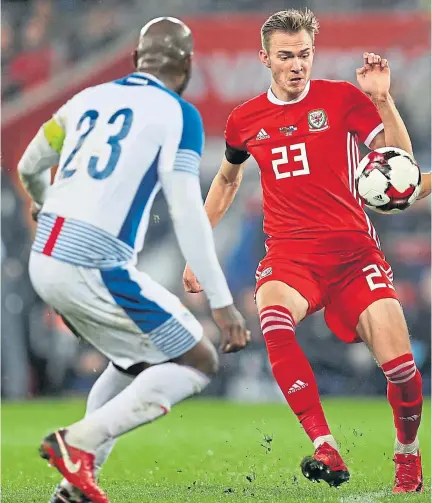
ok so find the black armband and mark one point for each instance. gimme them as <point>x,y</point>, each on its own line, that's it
<point>235,156</point>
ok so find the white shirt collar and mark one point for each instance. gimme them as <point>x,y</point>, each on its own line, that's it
<point>272,98</point>
<point>151,77</point>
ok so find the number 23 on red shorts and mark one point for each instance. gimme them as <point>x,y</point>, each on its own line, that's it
<point>360,284</point>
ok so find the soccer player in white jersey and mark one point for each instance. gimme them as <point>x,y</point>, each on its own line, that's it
<point>116,145</point>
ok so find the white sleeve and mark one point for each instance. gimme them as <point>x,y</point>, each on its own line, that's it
<point>33,168</point>
<point>179,176</point>
<point>194,234</point>
<point>42,154</point>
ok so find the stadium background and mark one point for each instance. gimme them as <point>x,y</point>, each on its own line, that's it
<point>51,49</point>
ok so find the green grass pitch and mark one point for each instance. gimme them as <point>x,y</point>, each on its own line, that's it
<point>211,451</point>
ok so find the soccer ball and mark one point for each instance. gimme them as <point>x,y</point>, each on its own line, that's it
<point>388,180</point>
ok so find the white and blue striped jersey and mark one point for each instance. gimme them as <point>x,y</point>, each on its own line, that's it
<point>115,139</point>
<point>116,145</point>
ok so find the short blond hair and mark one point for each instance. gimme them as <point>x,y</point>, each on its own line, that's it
<point>289,21</point>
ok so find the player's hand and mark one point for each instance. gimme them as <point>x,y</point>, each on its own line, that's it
<point>35,210</point>
<point>190,282</point>
<point>426,185</point>
<point>374,76</point>
<point>234,334</point>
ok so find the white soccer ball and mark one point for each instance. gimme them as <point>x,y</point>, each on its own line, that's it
<point>388,180</point>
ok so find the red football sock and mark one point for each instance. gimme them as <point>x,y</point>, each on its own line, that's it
<point>292,370</point>
<point>404,393</point>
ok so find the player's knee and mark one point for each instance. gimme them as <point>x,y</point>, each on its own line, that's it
<point>202,357</point>
<point>277,293</point>
<point>383,328</point>
<point>209,365</point>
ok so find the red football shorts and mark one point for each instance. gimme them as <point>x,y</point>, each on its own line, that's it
<point>344,285</point>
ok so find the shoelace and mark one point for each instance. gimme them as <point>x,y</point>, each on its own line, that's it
<point>404,475</point>
<point>332,457</point>
<point>327,452</point>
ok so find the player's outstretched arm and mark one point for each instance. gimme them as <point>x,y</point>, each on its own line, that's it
<point>194,234</point>
<point>192,227</point>
<point>178,170</point>
<point>223,190</point>
<point>42,153</point>
<point>374,79</point>
<point>219,198</point>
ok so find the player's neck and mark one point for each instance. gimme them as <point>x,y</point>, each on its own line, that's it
<point>285,96</point>
<point>169,83</point>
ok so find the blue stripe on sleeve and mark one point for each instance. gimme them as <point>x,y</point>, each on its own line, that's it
<point>187,160</point>
<point>193,130</point>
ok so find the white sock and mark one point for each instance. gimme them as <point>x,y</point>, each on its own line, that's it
<point>110,383</point>
<point>326,438</point>
<point>148,397</point>
<point>412,448</point>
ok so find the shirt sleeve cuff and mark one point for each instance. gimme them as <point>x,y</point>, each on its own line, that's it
<point>373,133</point>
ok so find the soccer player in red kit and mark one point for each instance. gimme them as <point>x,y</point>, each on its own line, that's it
<point>322,250</point>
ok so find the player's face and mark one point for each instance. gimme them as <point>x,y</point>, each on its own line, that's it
<point>289,58</point>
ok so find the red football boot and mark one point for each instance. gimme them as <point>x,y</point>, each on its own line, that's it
<point>76,465</point>
<point>326,464</point>
<point>409,474</point>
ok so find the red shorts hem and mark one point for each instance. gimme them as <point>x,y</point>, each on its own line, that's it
<point>293,275</point>
<point>345,291</point>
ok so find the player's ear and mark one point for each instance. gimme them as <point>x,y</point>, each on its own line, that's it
<point>188,63</point>
<point>135,58</point>
<point>187,68</point>
<point>264,57</point>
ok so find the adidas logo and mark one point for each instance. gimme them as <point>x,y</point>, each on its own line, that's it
<point>262,135</point>
<point>410,418</point>
<point>297,386</point>
<point>266,273</point>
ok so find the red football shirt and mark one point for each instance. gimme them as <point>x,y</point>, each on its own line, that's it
<point>307,152</point>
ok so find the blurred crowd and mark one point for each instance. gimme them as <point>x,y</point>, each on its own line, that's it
<point>39,354</point>
<point>40,37</point>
